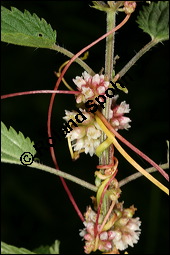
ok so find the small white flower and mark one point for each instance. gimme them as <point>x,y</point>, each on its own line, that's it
<point>90,215</point>
<point>106,84</point>
<point>96,79</point>
<point>89,148</point>
<point>90,228</point>
<point>115,123</point>
<point>121,123</point>
<point>87,92</point>
<point>89,118</point>
<point>118,236</point>
<point>101,90</point>
<point>134,224</point>
<point>121,109</point>
<point>86,76</point>
<point>80,98</point>
<point>111,234</point>
<point>79,144</point>
<point>79,81</point>
<point>93,133</point>
<point>96,143</point>
<point>124,123</point>
<point>77,133</point>
<point>69,115</point>
<point>104,236</point>
<point>82,232</point>
<point>120,245</point>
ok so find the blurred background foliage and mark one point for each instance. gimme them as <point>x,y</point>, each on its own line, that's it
<point>35,207</point>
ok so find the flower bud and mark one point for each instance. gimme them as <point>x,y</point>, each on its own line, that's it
<point>104,236</point>
<point>129,6</point>
<point>77,133</point>
<point>111,234</point>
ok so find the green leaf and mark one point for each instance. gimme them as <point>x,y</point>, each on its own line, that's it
<point>54,249</point>
<point>42,249</point>
<point>14,145</point>
<point>154,20</point>
<point>10,249</point>
<point>25,29</point>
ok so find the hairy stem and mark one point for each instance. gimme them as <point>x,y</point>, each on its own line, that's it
<point>70,55</point>
<point>137,175</point>
<point>64,175</point>
<point>146,48</point>
<point>109,56</point>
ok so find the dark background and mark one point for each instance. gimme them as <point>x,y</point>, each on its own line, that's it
<point>35,208</point>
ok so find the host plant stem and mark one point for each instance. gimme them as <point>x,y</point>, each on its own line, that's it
<point>109,56</point>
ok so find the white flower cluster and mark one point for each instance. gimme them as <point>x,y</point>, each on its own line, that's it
<point>125,231</point>
<point>118,121</point>
<point>87,135</point>
<point>90,86</point>
<point>127,234</point>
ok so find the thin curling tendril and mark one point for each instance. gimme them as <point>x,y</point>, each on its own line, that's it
<point>86,54</point>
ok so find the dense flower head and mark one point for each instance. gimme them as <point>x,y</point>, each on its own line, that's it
<point>117,118</point>
<point>124,232</point>
<point>86,136</point>
<point>129,6</point>
<point>90,86</point>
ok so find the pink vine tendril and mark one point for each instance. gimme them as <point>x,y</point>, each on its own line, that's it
<point>39,92</point>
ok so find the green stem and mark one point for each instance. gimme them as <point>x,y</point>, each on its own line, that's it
<point>64,175</point>
<point>70,55</point>
<point>109,56</point>
<point>137,175</point>
<point>136,57</point>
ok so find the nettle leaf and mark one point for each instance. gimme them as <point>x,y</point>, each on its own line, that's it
<point>10,249</point>
<point>14,145</point>
<point>154,20</point>
<point>25,29</point>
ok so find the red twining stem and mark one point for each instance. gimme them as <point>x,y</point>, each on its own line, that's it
<point>33,92</point>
